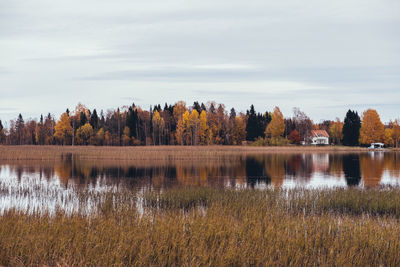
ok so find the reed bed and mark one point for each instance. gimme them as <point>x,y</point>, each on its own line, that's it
<point>206,226</point>
<point>152,153</point>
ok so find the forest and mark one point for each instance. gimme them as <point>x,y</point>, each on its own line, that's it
<point>198,124</point>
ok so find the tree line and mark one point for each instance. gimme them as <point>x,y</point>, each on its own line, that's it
<point>198,124</point>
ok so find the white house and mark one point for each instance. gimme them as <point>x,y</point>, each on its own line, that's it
<point>377,146</point>
<point>319,137</point>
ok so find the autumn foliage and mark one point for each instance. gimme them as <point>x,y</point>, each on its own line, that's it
<point>199,124</point>
<point>372,129</point>
<point>63,130</point>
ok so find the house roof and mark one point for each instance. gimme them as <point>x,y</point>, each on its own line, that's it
<point>319,133</point>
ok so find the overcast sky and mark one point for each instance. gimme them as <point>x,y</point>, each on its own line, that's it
<point>323,56</point>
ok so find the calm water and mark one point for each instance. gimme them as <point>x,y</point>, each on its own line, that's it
<point>37,185</point>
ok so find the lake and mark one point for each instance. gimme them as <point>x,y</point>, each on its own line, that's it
<point>49,185</point>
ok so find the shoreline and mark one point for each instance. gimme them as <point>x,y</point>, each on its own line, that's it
<point>157,152</point>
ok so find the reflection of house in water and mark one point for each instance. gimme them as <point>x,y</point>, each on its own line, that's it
<point>376,155</point>
<point>320,163</point>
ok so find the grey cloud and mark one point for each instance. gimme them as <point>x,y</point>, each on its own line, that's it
<point>2,109</point>
<point>180,75</point>
<point>323,75</point>
<point>338,53</point>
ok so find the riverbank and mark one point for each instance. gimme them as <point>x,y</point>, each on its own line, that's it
<point>154,152</point>
<point>213,227</point>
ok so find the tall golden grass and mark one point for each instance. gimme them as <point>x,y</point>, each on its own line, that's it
<point>151,152</point>
<point>205,226</point>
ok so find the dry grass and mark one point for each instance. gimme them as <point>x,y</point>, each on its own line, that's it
<point>152,152</point>
<point>204,226</point>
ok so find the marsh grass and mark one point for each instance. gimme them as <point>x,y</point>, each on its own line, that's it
<point>338,201</point>
<point>206,226</point>
<point>51,153</point>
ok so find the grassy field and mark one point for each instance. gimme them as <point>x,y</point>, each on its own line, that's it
<point>153,152</point>
<point>213,227</point>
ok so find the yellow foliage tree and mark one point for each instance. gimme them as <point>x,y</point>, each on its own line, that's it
<point>63,129</point>
<point>179,132</point>
<point>100,137</point>
<point>388,138</point>
<point>276,127</point>
<point>107,138</point>
<point>158,126</point>
<point>336,131</point>
<point>372,129</point>
<point>238,131</point>
<point>84,133</point>
<point>194,125</point>
<point>186,128</point>
<point>179,110</point>
<point>203,133</point>
<point>396,133</point>
<point>125,136</point>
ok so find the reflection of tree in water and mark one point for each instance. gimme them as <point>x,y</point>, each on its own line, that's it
<point>392,163</point>
<point>46,172</point>
<point>372,166</point>
<point>230,171</point>
<point>275,167</point>
<point>19,170</point>
<point>220,173</point>
<point>158,174</point>
<point>255,171</point>
<point>351,169</point>
<point>300,167</point>
<point>335,165</point>
<point>63,170</point>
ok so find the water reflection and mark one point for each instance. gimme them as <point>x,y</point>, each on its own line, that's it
<point>351,169</point>
<point>38,184</point>
<point>317,170</point>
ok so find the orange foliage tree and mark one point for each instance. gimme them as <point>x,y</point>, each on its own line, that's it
<point>372,129</point>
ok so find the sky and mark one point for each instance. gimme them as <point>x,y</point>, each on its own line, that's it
<point>322,56</point>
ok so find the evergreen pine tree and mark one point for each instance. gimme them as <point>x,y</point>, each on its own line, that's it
<point>94,119</point>
<point>82,119</point>
<point>2,134</point>
<point>196,106</point>
<point>19,127</point>
<point>102,120</point>
<point>132,121</point>
<point>351,129</point>
<point>232,115</point>
<point>251,127</point>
